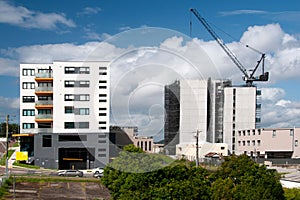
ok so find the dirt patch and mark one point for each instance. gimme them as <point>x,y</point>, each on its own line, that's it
<point>58,190</point>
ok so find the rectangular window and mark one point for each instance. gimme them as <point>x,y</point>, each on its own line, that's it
<point>102,100</point>
<point>69,125</point>
<point>28,125</point>
<point>84,83</point>
<point>28,72</point>
<point>69,97</point>
<point>44,111</point>
<point>102,114</point>
<point>102,122</point>
<point>69,83</point>
<point>28,112</point>
<point>84,111</point>
<point>274,133</point>
<point>102,68</point>
<point>28,85</point>
<point>84,70</point>
<point>102,127</point>
<point>47,141</point>
<point>77,97</point>
<point>77,70</point>
<point>28,99</point>
<point>253,142</point>
<point>258,142</point>
<point>79,125</point>
<point>296,143</point>
<point>102,73</point>
<point>102,95</point>
<point>69,70</point>
<point>72,138</point>
<point>69,109</point>
<point>102,87</point>
<point>102,108</point>
<point>248,142</point>
<point>291,132</point>
<point>84,97</point>
<point>102,81</point>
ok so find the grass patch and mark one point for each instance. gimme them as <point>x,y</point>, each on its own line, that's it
<point>16,144</point>
<point>4,187</point>
<point>17,163</point>
<point>3,159</point>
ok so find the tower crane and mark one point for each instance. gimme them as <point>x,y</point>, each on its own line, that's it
<point>248,78</point>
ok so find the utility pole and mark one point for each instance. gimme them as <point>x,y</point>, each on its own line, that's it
<point>6,164</point>
<point>197,148</point>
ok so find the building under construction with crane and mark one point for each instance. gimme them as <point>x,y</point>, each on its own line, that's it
<point>214,109</point>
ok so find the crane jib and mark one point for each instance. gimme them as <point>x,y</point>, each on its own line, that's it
<point>248,78</point>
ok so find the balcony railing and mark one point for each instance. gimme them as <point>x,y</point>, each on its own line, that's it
<point>44,75</point>
<point>44,116</point>
<point>43,103</point>
<point>44,89</point>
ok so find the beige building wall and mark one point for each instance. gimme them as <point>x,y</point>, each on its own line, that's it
<point>268,141</point>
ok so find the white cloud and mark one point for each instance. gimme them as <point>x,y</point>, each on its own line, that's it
<point>90,11</point>
<point>139,73</point>
<point>277,111</point>
<point>242,12</point>
<point>21,16</point>
<point>6,102</point>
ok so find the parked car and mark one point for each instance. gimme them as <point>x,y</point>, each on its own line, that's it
<point>98,175</point>
<point>98,170</point>
<point>76,173</point>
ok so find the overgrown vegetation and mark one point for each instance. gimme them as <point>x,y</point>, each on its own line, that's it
<point>17,163</point>
<point>4,187</point>
<point>137,175</point>
<point>3,159</point>
<point>292,193</point>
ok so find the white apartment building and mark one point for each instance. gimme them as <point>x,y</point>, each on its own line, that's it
<point>64,113</point>
<point>241,111</point>
<point>269,142</point>
<point>214,108</point>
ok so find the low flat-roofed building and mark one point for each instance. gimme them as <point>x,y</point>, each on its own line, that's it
<point>269,142</point>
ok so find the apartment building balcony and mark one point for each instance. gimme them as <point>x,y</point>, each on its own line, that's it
<point>44,76</point>
<point>44,118</point>
<point>43,104</point>
<point>44,90</point>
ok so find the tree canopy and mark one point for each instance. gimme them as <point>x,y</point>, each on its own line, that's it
<point>135,174</point>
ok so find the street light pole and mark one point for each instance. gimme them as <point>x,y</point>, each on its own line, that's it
<point>197,148</point>
<point>6,164</point>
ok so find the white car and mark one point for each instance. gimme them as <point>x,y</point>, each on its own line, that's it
<point>98,170</point>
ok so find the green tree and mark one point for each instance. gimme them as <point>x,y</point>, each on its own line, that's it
<point>292,193</point>
<point>244,179</point>
<point>154,176</point>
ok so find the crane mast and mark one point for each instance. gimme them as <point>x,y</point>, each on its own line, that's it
<point>248,78</point>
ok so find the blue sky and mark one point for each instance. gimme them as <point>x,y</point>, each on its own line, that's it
<point>34,30</point>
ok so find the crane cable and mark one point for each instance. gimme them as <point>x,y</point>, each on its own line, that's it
<point>230,36</point>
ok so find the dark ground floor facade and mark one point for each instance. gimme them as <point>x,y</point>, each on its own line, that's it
<point>67,150</point>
